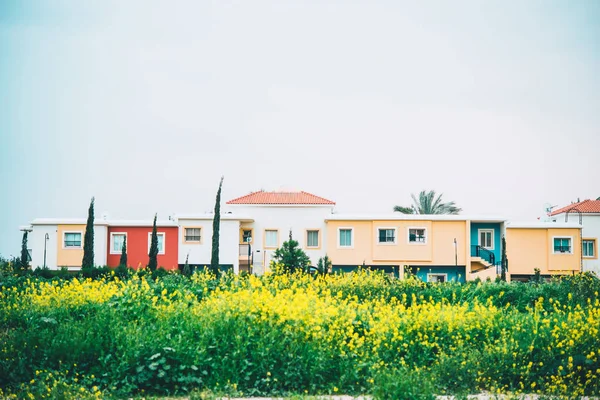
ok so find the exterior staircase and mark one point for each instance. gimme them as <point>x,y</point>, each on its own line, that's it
<point>481,258</point>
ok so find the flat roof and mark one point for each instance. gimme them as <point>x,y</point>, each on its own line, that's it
<point>412,217</point>
<point>66,221</point>
<point>542,225</point>
<point>209,216</point>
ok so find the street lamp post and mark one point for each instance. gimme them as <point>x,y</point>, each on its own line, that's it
<point>46,237</point>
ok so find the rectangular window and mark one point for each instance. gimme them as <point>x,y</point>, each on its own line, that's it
<point>271,238</point>
<point>486,238</point>
<point>589,248</point>
<point>387,235</point>
<point>416,235</point>
<point>116,243</point>
<point>192,234</point>
<point>312,238</point>
<point>345,237</point>
<point>72,240</point>
<point>247,235</point>
<point>440,278</point>
<point>562,245</point>
<point>161,241</point>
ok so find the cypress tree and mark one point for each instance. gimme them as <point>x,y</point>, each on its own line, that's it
<point>214,260</point>
<point>123,260</point>
<point>153,261</point>
<point>88,241</point>
<point>291,257</point>
<point>24,262</point>
<point>504,262</point>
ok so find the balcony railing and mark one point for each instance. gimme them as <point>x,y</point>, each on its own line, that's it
<point>245,250</point>
<point>485,254</point>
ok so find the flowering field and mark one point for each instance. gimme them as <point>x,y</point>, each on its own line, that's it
<point>281,334</point>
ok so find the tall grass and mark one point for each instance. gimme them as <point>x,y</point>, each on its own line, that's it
<point>281,334</point>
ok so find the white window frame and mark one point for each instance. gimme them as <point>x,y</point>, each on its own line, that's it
<point>437,274</point>
<point>318,238</point>
<point>339,237</point>
<point>570,245</point>
<point>164,235</point>
<point>387,228</point>
<point>593,241</point>
<point>72,247</point>
<point>492,237</point>
<point>417,243</point>
<point>267,246</point>
<point>185,240</point>
<point>113,251</point>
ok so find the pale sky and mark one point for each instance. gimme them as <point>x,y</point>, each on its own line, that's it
<point>145,104</point>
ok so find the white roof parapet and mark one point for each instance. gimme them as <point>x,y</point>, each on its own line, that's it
<point>149,222</point>
<point>542,225</point>
<point>413,217</point>
<point>224,217</point>
<point>66,221</point>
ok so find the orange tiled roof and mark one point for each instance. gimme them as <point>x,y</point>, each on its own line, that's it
<point>263,197</point>
<point>585,206</point>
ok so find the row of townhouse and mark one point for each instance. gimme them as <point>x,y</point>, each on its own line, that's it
<point>434,247</point>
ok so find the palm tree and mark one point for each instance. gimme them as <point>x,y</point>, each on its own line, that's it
<point>428,203</point>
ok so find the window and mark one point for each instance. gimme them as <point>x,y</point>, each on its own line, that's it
<point>271,238</point>
<point>345,237</point>
<point>192,234</point>
<point>72,240</point>
<point>437,278</point>
<point>416,235</point>
<point>589,247</point>
<point>387,235</point>
<point>161,242</point>
<point>247,235</point>
<point>312,238</point>
<point>29,252</point>
<point>486,238</point>
<point>116,243</point>
<point>562,245</point>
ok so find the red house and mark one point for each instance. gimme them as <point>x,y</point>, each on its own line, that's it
<point>138,235</point>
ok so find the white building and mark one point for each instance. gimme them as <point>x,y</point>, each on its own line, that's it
<point>195,239</point>
<point>588,213</point>
<point>273,216</point>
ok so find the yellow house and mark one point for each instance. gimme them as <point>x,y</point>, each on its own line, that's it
<point>436,248</point>
<point>553,248</point>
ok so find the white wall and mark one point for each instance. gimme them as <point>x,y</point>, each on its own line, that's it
<point>284,218</point>
<point>100,243</point>
<point>35,241</point>
<point>200,253</point>
<point>591,230</point>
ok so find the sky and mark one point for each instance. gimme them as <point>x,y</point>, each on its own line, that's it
<point>146,104</point>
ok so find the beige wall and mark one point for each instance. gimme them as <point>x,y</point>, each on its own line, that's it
<point>362,238</point>
<point>438,249</point>
<point>69,257</point>
<point>527,249</point>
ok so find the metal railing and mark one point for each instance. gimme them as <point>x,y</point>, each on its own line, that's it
<point>245,250</point>
<point>478,251</point>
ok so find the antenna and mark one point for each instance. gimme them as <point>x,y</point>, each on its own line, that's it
<point>547,210</point>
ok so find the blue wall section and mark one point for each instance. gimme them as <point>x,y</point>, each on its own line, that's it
<point>455,274</point>
<point>475,226</point>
